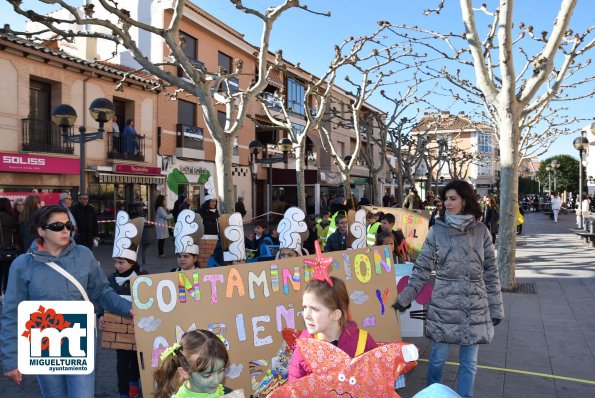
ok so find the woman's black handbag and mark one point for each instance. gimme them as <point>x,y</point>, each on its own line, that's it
<point>7,253</point>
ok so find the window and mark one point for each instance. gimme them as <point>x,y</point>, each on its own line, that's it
<point>224,61</point>
<point>221,117</point>
<point>191,46</point>
<point>299,129</point>
<point>485,169</point>
<point>295,96</point>
<point>484,142</point>
<point>190,49</point>
<point>186,113</point>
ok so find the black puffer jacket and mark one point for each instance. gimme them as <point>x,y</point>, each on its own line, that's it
<point>466,294</point>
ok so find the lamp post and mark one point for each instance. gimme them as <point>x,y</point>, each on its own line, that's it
<point>580,144</point>
<point>64,115</point>
<point>549,176</point>
<point>555,165</point>
<point>255,149</point>
<point>285,145</point>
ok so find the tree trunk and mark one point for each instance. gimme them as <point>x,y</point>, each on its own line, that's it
<point>346,185</point>
<point>376,194</point>
<point>223,164</point>
<point>509,140</point>
<point>300,176</point>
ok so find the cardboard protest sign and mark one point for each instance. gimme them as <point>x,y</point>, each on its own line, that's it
<point>414,224</point>
<point>250,304</point>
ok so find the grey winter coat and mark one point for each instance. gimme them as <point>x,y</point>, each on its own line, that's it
<point>466,294</point>
<point>161,217</point>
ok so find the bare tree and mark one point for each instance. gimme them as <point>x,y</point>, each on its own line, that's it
<point>211,88</point>
<point>513,98</point>
<point>369,60</point>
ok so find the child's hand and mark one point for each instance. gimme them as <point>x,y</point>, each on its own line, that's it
<point>101,323</point>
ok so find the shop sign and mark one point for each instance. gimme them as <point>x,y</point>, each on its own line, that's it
<point>21,163</point>
<point>133,169</point>
<point>193,170</point>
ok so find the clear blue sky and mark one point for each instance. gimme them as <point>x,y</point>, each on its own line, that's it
<point>309,39</point>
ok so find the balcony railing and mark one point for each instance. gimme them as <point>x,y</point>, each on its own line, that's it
<point>189,137</point>
<point>126,148</point>
<point>45,136</point>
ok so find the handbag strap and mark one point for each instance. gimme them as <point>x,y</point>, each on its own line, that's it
<point>69,276</point>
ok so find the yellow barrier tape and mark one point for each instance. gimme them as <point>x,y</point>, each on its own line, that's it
<point>523,372</point>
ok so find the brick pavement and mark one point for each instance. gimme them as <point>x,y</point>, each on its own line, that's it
<point>551,331</point>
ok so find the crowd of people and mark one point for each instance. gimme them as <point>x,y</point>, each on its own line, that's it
<point>459,312</point>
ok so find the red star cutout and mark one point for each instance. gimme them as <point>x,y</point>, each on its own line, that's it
<point>320,265</point>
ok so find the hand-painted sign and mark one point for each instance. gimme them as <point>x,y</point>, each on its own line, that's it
<point>250,304</point>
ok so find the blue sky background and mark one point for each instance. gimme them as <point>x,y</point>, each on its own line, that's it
<point>309,39</point>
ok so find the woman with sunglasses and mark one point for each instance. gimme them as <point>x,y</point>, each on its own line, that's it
<point>31,278</point>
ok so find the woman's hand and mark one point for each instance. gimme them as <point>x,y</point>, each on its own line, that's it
<point>101,322</point>
<point>399,307</point>
<point>15,376</point>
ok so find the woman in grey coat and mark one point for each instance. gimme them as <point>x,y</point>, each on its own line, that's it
<point>466,300</point>
<point>162,216</point>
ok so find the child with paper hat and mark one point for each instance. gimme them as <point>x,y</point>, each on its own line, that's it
<point>187,233</point>
<point>292,230</point>
<point>127,240</point>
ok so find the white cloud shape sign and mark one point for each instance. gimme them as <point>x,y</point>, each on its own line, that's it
<point>149,323</point>
<point>359,297</point>
<point>234,370</point>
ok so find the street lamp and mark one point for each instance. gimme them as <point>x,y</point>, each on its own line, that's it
<point>580,144</point>
<point>64,115</point>
<point>285,145</point>
<point>548,168</point>
<point>555,165</point>
<point>255,148</point>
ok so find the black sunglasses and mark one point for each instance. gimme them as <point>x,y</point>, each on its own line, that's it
<point>59,226</point>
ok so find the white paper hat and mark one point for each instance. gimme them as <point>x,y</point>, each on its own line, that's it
<point>291,229</point>
<point>128,236</point>
<point>234,233</point>
<point>188,231</point>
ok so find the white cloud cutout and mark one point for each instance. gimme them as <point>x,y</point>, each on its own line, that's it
<point>149,323</point>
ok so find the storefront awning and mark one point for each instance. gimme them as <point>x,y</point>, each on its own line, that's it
<point>130,178</point>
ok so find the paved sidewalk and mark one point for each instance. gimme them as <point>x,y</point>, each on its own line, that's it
<point>549,332</point>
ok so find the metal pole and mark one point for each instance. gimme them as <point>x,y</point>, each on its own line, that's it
<point>549,174</point>
<point>270,195</point>
<point>580,187</point>
<point>555,180</point>
<point>82,131</point>
<point>253,172</point>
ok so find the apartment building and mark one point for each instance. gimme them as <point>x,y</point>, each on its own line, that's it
<point>468,149</point>
<point>186,151</point>
<point>37,156</point>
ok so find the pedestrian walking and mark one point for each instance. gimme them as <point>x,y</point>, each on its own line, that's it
<point>490,215</point>
<point>556,206</point>
<point>466,301</point>
<point>162,217</point>
<point>87,233</point>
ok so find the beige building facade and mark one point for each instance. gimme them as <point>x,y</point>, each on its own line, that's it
<point>36,157</point>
